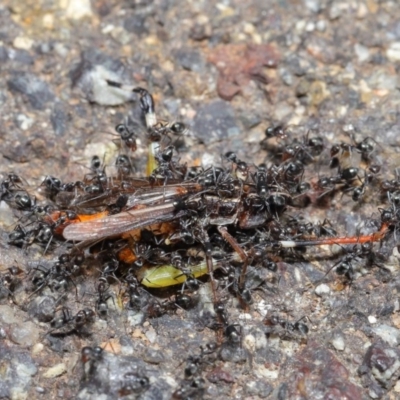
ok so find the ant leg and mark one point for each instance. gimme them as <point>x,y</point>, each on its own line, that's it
<point>374,237</point>
<point>242,254</point>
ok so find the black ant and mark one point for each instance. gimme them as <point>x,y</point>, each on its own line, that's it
<point>242,169</point>
<point>128,136</point>
<point>9,281</point>
<point>134,383</point>
<point>103,297</point>
<point>191,283</point>
<point>65,324</point>
<point>297,327</point>
<point>90,358</point>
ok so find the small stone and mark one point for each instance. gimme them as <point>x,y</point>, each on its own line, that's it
<point>388,333</point>
<point>135,319</point>
<point>372,319</point>
<point>218,374</point>
<point>249,28</point>
<point>322,290</point>
<point>249,120</point>
<point>24,122</point>
<point>26,369</point>
<point>335,11</point>
<point>59,119</point>
<point>153,356</point>
<point>61,49</point>
<point>310,27</point>
<point>215,121</point>
<point>7,218</point>
<point>318,92</point>
<point>42,308</point>
<point>362,11</point>
<point>321,370</point>
<point>393,52</point>
<point>78,9</point>
<point>321,25</point>
<point>259,388</point>
<point>48,21</point>
<point>286,76</point>
<point>3,54</point>
<point>387,309</point>
<point>200,31</point>
<point>382,361</point>
<point>37,91</point>
<point>22,42</point>
<point>25,334</point>
<point>20,56</point>
<point>313,5</point>
<point>190,59</point>
<point>93,75</point>
<point>302,88</point>
<point>37,348</point>
<point>338,342</point>
<point>362,52</point>
<point>151,335</point>
<point>282,110</point>
<point>18,393</point>
<point>136,24</point>
<point>55,371</point>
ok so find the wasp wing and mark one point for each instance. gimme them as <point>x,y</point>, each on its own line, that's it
<point>114,225</point>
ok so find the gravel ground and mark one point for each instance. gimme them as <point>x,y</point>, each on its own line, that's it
<point>228,70</point>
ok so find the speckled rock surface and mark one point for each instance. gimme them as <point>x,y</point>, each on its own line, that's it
<point>228,70</point>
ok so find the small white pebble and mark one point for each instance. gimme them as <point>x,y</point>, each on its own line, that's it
<point>310,26</point>
<point>321,25</point>
<point>393,52</point>
<point>372,319</point>
<point>151,335</point>
<point>23,43</point>
<point>37,348</point>
<point>322,290</point>
<point>55,371</point>
<point>78,9</point>
<point>338,342</point>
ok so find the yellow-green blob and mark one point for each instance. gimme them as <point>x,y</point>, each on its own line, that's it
<point>151,160</point>
<point>167,275</point>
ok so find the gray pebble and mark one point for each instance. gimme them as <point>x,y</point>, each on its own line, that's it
<point>3,54</point>
<point>26,334</point>
<point>334,11</point>
<point>249,120</point>
<point>7,315</point>
<point>388,333</point>
<point>302,88</point>
<point>37,91</point>
<point>190,59</point>
<point>259,388</point>
<point>136,24</point>
<point>59,119</point>
<point>215,121</point>
<point>313,5</point>
<point>153,356</point>
<point>20,56</point>
<point>93,73</point>
<point>42,308</point>
<point>286,76</point>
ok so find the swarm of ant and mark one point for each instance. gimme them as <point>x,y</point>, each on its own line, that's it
<point>185,227</point>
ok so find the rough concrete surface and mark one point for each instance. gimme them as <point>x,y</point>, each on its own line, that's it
<point>228,70</point>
